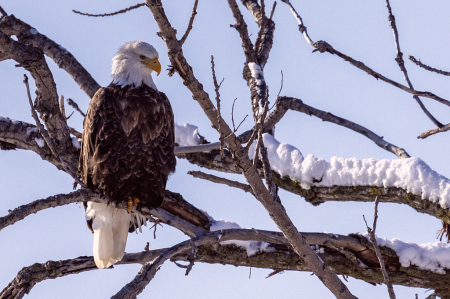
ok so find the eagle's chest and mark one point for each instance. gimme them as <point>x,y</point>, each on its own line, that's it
<point>141,117</point>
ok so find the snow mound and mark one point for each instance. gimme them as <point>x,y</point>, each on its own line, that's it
<point>186,135</point>
<point>252,247</point>
<point>434,257</point>
<point>412,174</point>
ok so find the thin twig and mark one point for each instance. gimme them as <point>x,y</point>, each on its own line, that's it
<point>47,138</point>
<point>220,180</point>
<point>434,131</point>
<point>62,108</point>
<point>428,68</point>
<point>273,9</point>
<point>110,14</point>
<point>191,21</point>
<point>377,250</point>
<point>401,64</point>
<point>281,86</point>
<point>323,46</point>
<point>75,106</point>
<point>219,116</point>
<point>3,12</point>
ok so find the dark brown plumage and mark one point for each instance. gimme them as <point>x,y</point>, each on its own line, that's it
<point>128,143</point>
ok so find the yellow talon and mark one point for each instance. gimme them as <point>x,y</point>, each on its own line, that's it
<point>132,201</point>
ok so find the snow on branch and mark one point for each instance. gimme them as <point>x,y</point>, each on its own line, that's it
<point>408,264</point>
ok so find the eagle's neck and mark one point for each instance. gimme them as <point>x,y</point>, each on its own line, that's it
<point>126,71</point>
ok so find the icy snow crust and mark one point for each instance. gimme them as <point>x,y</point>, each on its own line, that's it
<point>252,247</point>
<point>430,256</point>
<point>186,135</point>
<point>412,174</point>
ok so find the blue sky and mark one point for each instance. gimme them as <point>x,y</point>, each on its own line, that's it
<point>357,28</point>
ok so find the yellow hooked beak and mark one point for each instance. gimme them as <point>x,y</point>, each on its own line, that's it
<point>154,65</point>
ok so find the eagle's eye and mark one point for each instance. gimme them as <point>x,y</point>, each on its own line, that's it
<point>143,57</point>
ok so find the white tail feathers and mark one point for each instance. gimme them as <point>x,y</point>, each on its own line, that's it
<point>110,226</point>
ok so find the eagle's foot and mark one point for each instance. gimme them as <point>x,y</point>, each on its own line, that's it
<point>132,201</point>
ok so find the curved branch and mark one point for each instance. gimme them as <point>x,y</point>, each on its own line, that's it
<point>174,211</point>
<point>342,253</point>
<point>285,103</point>
<point>323,46</point>
<point>28,35</point>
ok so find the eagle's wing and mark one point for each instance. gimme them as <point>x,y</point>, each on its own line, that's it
<point>92,124</point>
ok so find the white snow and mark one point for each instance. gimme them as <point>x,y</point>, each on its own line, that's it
<point>186,135</point>
<point>252,247</point>
<point>33,31</point>
<point>412,174</point>
<point>258,74</point>
<point>31,130</point>
<point>76,143</point>
<point>430,256</point>
<point>40,142</point>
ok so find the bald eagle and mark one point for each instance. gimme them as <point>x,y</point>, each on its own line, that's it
<point>128,149</point>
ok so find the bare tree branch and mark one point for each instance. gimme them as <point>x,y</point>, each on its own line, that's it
<point>25,136</point>
<point>191,21</point>
<point>323,46</point>
<point>401,64</point>
<point>275,209</point>
<point>434,131</point>
<point>28,35</point>
<point>75,106</point>
<point>285,103</point>
<point>373,240</point>
<point>428,68</point>
<point>279,257</point>
<point>216,179</point>
<point>110,14</point>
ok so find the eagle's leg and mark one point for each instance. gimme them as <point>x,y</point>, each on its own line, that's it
<point>132,201</point>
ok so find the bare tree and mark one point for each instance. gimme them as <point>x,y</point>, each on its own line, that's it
<point>247,154</point>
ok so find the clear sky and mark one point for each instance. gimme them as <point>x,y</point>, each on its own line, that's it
<point>357,28</point>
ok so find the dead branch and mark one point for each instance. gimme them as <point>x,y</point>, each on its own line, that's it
<point>428,68</point>
<point>401,64</point>
<point>279,257</point>
<point>25,136</point>
<point>219,116</point>
<point>323,46</point>
<point>373,240</point>
<point>241,27</point>
<point>110,14</point>
<point>75,106</point>
<point>28,35</point>
<point>285,103</point>
<point>275,209</point>
<point>216,179</point>
<point>434,131</point>
<point>135,287</point>
<point>191,21</point>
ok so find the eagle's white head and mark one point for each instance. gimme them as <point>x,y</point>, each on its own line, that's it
<point>134,63</point>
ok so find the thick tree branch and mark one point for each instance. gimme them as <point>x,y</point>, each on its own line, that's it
<point>174,211</point>
<point>28,35</point>
<point>323,46</point>
<point>279,257</point>
<point>275,209</point>
<point>25,136</point>
<point>401,64</point>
